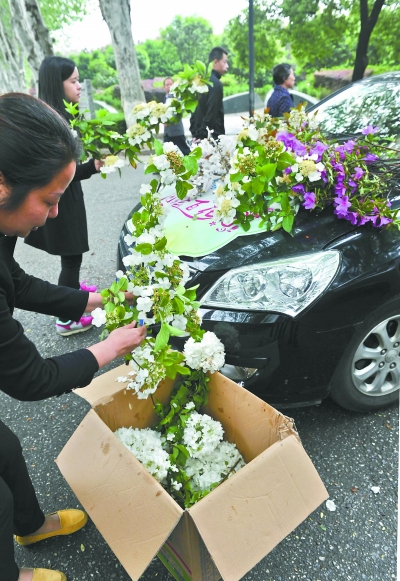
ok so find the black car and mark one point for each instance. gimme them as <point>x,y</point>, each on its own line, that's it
<point>329,324</point>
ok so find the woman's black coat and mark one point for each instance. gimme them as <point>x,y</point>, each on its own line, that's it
<point>24,373</point>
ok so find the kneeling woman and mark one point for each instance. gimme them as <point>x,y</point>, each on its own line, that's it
<point>38,154</point>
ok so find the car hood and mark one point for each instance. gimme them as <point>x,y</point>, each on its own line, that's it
<point>312,233</point>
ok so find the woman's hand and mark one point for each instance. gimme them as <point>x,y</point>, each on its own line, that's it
<point>119,342</point>
<point>96,300</point>
<point>98,163</point>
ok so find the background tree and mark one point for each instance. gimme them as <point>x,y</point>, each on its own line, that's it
<point>268,48</point>
<point>163,57</point>
<point>117,15</point>
<point>192,36</point>
<point>319,28</point>
<point>57,13</point>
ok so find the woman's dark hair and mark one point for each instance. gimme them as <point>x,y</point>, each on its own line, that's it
<point>36,143</point>
<point>53,71</point>
<point>281,72</point>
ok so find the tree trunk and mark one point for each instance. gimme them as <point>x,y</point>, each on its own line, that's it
<point>367,24</point>
<point>38,27</point>
<point>12,76</point>
<point>31,32</point>
<point>117,15</point>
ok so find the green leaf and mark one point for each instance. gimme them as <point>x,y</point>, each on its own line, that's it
<point>287,223</point>
<point>162,338</point>
<point>174,331</point>
<point>190,164</point>
<point>160,244</point>
<point>268,171</point>
<point>151,169</point>
<point>236,177</point>
<point>158,148</point>
<point>145,248</point>
<point>257,185</point>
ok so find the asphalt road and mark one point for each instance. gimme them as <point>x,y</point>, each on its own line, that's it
<point>352,452</point>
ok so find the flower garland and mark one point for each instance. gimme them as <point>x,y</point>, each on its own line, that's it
<point>280,165</point>
<point>272,169</point>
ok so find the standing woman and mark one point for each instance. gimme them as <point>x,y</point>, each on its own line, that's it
<point>38,154</point>
<point>66,235</point>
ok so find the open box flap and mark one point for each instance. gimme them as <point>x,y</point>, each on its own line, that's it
<point>247,420</point>
<point>244,518</point>
<point>103,387</point>
<point>130,508</point>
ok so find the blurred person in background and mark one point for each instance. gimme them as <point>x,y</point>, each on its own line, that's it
<point>281,100</point>
<point>66,235</point>
<point>209,115</point>
<point>174,132</point>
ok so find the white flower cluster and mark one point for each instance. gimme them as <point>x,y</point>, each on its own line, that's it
<point>146,446</point>
<point>147,372</point>
<point>207,354</point>
<point>211,459</point>
<point>201,435</point>
<point>167,163</point>
<point>223,461</point>
<point>146,117</point>
<point>112,163</point>
<point>196,85</point>
<point>153,113</point>
<point>214,164</point>
<point>306,167</point>
<point>299,119</point>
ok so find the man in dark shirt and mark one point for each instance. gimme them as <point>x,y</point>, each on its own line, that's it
<point>209,114</point>
<point>281,101</point>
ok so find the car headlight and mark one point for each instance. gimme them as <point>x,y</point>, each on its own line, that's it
<point>288,285</point>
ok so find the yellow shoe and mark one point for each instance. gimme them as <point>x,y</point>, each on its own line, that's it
<point>71,520</point>
<point>48,575</point>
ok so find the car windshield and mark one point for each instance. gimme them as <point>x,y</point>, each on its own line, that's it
<point>375,103</point>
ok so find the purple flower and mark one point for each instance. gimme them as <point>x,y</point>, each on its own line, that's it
<point>358,173</point>
<point>299,189</point>
<point>341,151</point>
<point>337,166</point>
<point>342,206</point>
<point>324,176</point>
<point>319,149</point>
<point>369,129</point>
<point>340,190</point>
<point>352,217</point>
<point>385,220</point>
<point>290,141</point>
<point>288,170</point>
<point>309,200</point>
<point>370,158</point>
<point>349,145</point>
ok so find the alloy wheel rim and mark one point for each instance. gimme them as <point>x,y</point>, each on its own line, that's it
<point>375,366</point>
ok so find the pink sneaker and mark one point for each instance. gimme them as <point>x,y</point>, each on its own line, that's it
<point>66,328</point>
<point>91,288</point>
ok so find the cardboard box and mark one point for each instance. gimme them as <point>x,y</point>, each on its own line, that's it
<point>226,533</point>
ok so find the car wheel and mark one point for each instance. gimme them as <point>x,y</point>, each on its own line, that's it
<point>368,375</point>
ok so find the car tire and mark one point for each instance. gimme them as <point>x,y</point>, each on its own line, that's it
<point>368,375</point>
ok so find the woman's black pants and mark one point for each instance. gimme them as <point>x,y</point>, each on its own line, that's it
<point>70,267</point>
<point>20,513</point>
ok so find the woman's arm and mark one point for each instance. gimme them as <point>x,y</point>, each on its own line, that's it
<point>84,170</point>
